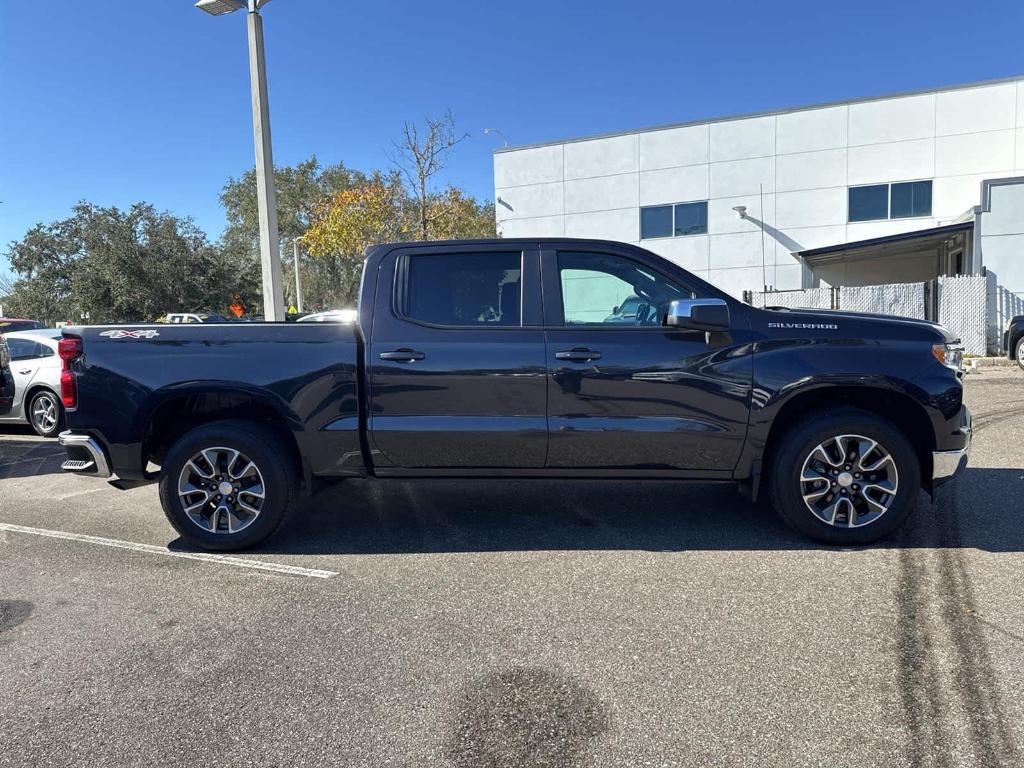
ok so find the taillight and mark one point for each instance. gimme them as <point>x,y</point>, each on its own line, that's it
<point>69,348</point>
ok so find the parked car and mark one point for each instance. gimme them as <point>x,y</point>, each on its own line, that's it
<point>626,312</point>
<point>1013,340</point>
<point>465,362</point>
<point>329,316</point>
<point>12,324</point>
<point>193,317</point>
<point>6,378</point>
<point>36,370</point>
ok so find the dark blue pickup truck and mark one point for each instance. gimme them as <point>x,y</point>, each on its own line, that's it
<point>505,358</point>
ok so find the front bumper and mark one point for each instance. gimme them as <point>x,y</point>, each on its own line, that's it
<point>948,464</point>
<point>85,455</point>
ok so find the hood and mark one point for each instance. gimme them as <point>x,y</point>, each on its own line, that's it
<point>859,322</point>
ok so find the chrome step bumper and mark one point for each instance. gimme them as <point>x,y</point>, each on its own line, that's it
<point>85,455</point>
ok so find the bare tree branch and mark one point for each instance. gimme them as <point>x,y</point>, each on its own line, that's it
<point>421,155</point>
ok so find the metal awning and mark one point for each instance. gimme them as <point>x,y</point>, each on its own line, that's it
<point>890,245</point>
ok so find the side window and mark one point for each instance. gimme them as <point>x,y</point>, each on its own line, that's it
<point>21,349</point>
<point>464,289</point>
<point>600,289</point>
<point>43,351</point>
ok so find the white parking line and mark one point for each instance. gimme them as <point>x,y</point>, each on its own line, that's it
<point>291,570</point>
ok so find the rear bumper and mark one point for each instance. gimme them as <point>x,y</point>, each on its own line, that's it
<point>948,464</point>
<point>85,455</point>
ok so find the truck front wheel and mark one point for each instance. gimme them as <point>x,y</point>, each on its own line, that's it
<point>844,477</point>
<point>227,485</point>
<point>1019,354</point>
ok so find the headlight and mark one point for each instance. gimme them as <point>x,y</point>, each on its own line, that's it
<point>950,355</point>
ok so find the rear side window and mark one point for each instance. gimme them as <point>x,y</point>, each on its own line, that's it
<point>464,289</point>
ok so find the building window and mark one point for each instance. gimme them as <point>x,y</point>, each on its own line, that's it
<point>890,201</point>
<point>676,220</point>
<point>656,221</point>
<point>691,219</point>
<point>914,198</point>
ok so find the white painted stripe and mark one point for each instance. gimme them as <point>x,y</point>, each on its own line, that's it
<point>208,557</point>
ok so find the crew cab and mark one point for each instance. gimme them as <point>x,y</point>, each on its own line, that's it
<point>499,358</point>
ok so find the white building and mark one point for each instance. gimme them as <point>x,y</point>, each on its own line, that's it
<point>831,192</point>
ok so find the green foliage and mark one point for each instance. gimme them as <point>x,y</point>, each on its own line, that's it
<point>123,266</point>
<point>137,264</point>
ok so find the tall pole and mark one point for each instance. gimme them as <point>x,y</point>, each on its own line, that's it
<point>298,279</point>
<point>266,196</point>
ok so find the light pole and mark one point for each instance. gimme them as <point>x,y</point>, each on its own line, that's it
<point>266,196</point>
<point>298,280</point>
<point>499,133</point>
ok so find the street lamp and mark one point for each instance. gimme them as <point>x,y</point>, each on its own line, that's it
<point>266,196</point>
<point>495,130</point>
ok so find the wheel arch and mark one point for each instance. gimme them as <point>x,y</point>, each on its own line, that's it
<point>905,413</point>
<point>181,410</point>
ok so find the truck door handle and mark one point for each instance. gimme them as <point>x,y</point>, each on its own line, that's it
<point>402,355</point>
<point>578,355</point>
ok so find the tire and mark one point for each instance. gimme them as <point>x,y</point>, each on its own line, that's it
<point>810,447</point>
<point>205,459</point>
<point>1019,352</point>
<point>45,413</point>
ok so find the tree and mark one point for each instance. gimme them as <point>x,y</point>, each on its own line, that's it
<point>301,189</point>
<point>422,154</point>
<point>112,265</point>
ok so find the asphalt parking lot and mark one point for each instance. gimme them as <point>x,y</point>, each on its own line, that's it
<point>479,624</point>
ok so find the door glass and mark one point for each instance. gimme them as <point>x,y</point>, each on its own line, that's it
<point>21,349</point>
<point>599,289</point>
<point>465,289</point>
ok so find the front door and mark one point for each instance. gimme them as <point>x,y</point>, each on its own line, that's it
<point>627,393</point>
<point>26,357</point>
<point>456,361</point>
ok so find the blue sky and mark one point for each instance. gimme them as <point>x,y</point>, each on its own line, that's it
<point>115,102</point>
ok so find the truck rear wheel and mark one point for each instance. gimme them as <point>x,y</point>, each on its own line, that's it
<point>844,477</point>
<point>227,485</point>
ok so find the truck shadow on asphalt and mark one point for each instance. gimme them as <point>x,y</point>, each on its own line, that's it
<point>29,455</point>
<point>425,516</point>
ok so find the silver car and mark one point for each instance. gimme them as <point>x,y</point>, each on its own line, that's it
<point>35,366</point>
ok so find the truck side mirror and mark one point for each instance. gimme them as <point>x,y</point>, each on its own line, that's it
<point>698,315</point>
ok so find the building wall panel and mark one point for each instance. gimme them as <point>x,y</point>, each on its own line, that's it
<point>601,157</point>
<point>674,185</point>
<point>743,139</point>
<point>897,161</point>
<point>974,153</point>
<point>603,193</point>
<point>812,129</point>
<point>674,147</point>
<point>977,109</point>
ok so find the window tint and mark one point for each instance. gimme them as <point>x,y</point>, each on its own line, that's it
<point>869,203</point>
<point>22,349</point>
<point>468,289</point>
<point>691,219</point>
<point>656,221</point>
<point>676,220</point>
<point>913,198</point>
<point>599,289</point>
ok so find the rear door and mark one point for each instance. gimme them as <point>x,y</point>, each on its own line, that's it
<point>455,360</point>
<point>636,396</point>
